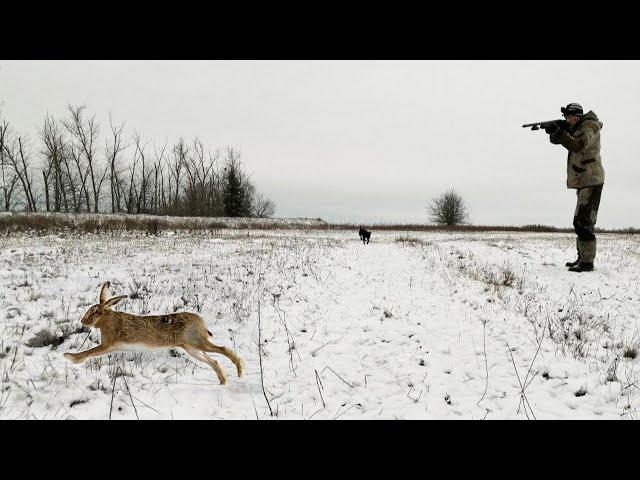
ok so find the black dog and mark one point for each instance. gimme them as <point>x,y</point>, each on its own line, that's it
<point>365,235</point>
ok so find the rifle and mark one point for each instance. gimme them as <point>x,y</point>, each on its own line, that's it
<point>543,125</point>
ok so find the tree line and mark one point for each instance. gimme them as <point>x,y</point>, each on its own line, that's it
<point>73,166</point>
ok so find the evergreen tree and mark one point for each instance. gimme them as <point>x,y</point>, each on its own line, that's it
<point>233,192</point>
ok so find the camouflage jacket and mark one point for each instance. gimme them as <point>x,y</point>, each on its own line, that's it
<point>584,165</point>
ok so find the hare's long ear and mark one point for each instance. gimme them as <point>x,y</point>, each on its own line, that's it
<point>103,292</point>
<point>112,301</point>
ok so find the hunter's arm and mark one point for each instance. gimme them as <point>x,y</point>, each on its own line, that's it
<point>568,141</point>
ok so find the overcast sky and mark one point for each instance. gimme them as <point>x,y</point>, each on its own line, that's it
<point>366,141</point>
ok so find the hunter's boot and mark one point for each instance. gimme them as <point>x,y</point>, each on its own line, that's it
<point>587,254</point>
<point>573,264</point>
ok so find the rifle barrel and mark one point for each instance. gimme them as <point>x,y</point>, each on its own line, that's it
<point>540,124</point>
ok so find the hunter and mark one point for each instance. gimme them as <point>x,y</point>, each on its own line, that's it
<point>580,134</point>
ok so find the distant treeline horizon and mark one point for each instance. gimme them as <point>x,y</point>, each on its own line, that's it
<point>103,222</point>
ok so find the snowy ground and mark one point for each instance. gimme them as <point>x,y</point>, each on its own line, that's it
<point>413,325</point>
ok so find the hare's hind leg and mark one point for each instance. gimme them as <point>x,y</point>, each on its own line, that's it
<point>203,357</point>
<point>92,352</point>
<point>207,346</point>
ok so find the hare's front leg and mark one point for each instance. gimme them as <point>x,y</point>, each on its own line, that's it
<point>92,352</point>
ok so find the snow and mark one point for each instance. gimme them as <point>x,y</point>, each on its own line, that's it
<point>405,327</point>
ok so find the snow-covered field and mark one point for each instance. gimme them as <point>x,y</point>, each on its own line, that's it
<point>413,325</point>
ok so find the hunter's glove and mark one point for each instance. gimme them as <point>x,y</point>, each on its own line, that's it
<point>552,128</point>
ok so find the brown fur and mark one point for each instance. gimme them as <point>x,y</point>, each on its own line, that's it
<point>184,330</point>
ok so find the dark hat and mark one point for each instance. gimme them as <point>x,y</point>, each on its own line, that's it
<point>572,109</point>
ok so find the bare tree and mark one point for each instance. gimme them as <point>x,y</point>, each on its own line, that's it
<point>130,191</point>
<point>82,169</point>
<point>112,150</point>
<point>448,209</point>
<point>62,183</point>
<point>142,198</point>
<point>85,134</point>
<point>158,200</point>
<point>263,207</point>
<point>57,182</point>
<point>196,174</point>
<point>52,172</point>
<point>180,152</point>
<point>9,178</point>
<point>18,159</point>
<point>24,157</point>
<point>74,181</point>
<point>9,182</point>
<point>202,192</point>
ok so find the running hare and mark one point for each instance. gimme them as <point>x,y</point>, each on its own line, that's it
<point>124,331</point>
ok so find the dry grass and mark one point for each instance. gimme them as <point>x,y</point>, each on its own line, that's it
<point>151,224</point>
<point>492,275</point>
<point>413,241</point>
<point>46,337</point>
